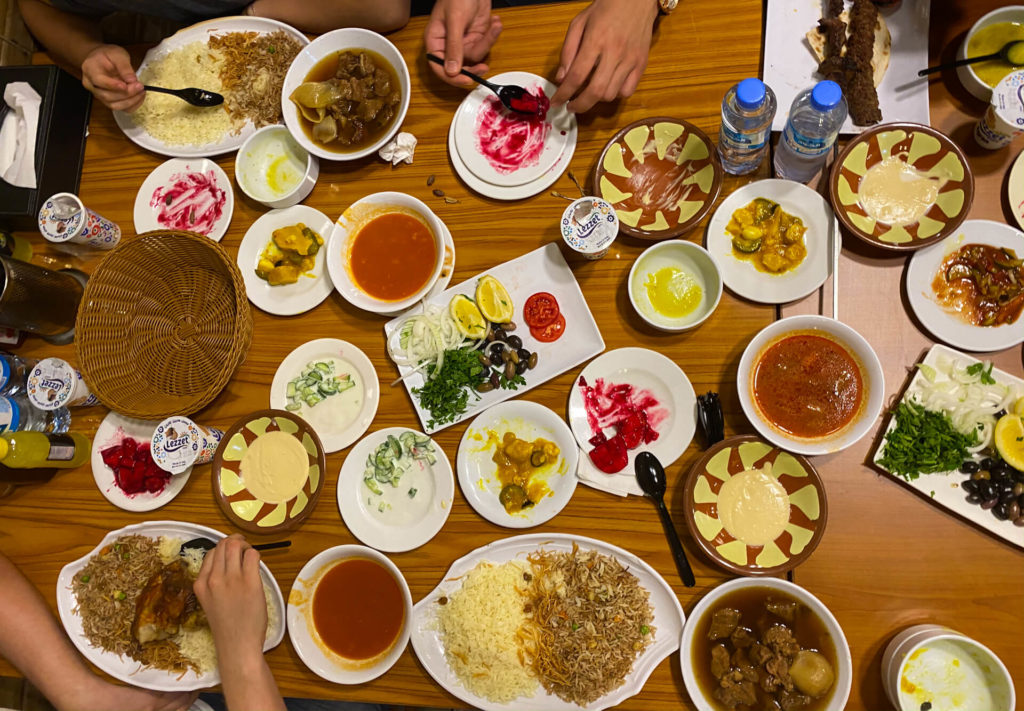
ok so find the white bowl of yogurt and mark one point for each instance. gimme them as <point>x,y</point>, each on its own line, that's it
<point>274,170</point>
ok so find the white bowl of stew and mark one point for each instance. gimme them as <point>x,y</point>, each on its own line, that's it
<point>810,384</point>
<point>386,251</point>
<point>346,95</point>
<point>822,669</point>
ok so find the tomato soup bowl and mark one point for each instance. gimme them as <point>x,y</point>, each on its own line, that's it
<point>346,232</point>
<point>307,640</point>
<point>853,351</point>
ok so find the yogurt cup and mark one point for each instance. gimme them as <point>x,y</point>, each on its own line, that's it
<point>589,226</point>
<point>179,443</point>
<point>1004,118</point>
<point>64,219</point>
<point>54,383</point>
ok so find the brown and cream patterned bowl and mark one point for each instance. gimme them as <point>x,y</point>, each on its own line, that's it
<point>802,499</point>
<point>268,472</point>
<point>661,175</point>
<point>901,186</point>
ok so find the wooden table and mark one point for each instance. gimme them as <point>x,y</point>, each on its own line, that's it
<point>887,560</point>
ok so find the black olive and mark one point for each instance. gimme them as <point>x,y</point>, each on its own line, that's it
<point>1006,497</point>
<point>1019,521</point>
<point>521,367</point>
<point>1018,476</point>
<point>985,488</point>
<point>499,334</point>
<point>987,463</point>
<point>989,503</point>
<point>1001,468</point>
<point>496,358</point>
<point>969,467</point>
<point>523,354</point>
<point>515,342</point>
<point>1000,512</point>
<point>999,414</point>
<point>494,379</point>
<point>1006,486</point>
<point>496,348</point>
<point>1012,510</point>
<point>974,499</point>
<point>970,486</point>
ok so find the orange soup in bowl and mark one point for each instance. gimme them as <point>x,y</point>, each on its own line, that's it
<point>392,256</point>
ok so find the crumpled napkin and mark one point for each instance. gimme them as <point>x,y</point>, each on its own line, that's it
<point>622,484</point>
<point>18,135</point>
<point>400,149</point>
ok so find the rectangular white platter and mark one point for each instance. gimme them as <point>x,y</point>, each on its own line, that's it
<point>543,269</point>
<point>943,489</point>
<point>790,66</point>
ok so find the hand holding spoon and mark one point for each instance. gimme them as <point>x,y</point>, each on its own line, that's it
<point>1012,53</point>
<point>206,545</point>
<point>512,97</point>
<point>651,477</point>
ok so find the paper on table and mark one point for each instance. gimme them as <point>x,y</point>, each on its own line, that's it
<point>18,135</point>
<point>400,149</point>
<point>790,66</point>
<point>622,484</point>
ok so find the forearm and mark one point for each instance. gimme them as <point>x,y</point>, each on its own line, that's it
<point>33,642</point>
<point>327,15</point>
<point>246,680</point>
<point>68,38</point>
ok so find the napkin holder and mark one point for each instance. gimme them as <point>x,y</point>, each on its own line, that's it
<point>60,142</point>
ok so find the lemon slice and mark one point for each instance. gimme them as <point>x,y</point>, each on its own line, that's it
<point>1018,409</point>
<point>493,299</point>
<point>1009,439</point>
<point>467,317</point>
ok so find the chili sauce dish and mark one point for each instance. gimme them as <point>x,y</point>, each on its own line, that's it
<point>810,384</point>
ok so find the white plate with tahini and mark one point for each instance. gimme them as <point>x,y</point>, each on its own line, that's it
<point>126,669</point>
<point>286,299</point>
<point>668,621</point>
<point>406,511</point>
<point>339,419</point>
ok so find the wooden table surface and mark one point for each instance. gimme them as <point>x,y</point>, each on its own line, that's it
<point>887,559</point>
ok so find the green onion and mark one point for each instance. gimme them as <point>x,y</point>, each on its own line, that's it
<point>644,629</point>
<point>923,442</point>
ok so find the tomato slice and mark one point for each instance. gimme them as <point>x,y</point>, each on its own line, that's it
<point>552,332</point>
<point>540,310</point>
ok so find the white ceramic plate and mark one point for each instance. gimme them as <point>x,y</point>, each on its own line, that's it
<point>477,479</point>
<point>946,326</point>
<point>490,183</point>
<point>288,299</point>
<point>742,277</point>
<point>873,393</point>
<point>406,522</point>
<point>201,32</point>
<point>645,370</point>
<point>300,626</point>
<point>943,489</point>
<point>146,215</point>
<point>124,668</point>
<point>109,433</point>
<point>542,269</point>
<point>1015,190</point>
<point>341,419</point>
<point>790,66</point>
<point>668,621</point>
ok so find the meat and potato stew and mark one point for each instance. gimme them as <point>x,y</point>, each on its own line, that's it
<point>762,650</point>
<point>348,101</point>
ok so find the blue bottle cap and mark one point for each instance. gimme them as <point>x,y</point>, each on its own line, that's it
<point>826,95</point>
<point>750,93</point>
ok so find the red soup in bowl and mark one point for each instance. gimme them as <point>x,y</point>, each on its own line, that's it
<point>808,384</point>
<point>392,256</point>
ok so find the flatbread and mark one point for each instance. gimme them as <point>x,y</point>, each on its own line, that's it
<point>882,50</point>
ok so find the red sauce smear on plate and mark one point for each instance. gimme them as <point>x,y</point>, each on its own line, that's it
<point>633,413</point>
<point>135,472</point>
<point>191,201</point>
<point>509,140</point>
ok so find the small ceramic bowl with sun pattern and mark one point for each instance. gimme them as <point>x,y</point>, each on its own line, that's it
<point>754,508</point>
<point>268,472</point>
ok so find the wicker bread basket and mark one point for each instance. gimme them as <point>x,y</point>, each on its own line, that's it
<point>163,324</point>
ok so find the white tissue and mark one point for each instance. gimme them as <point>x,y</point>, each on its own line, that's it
<point>400,149</point>
<point>18,135</point>
<point>622,484</point>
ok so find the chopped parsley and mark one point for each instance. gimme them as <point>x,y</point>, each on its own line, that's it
<point>923,442</point>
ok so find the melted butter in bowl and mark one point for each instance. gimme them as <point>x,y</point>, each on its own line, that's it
<point>675,285</point>
<point>895,193</point>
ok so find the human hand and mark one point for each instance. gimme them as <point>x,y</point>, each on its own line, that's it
<point>230,590</point>
<point>107,72</point>
<point>605,53</point>
<point>461,32</point>
<point>105,696</point>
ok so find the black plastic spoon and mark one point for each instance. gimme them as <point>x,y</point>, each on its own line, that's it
<point>206,545</point>
<point>1014,49</point>
<point>508,94</point>
<point>651,477</point>
<point>197,97</point>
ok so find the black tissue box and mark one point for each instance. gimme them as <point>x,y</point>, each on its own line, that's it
<point>60,142</point>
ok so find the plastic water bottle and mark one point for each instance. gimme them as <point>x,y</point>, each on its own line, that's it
<point>814,121</point>
<point>18,415</point>
<point>747,113</point>
<point>13,371</point>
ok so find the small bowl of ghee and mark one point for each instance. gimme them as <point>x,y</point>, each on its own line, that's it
<point>273,169</point>
<point>675,285</point>
<point>986,36</point>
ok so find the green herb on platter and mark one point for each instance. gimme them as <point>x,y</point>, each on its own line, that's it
<point>986,374</point>
<point>446,392</point>
<point>923,442</point>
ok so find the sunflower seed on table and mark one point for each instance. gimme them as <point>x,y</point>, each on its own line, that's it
<point>438,192</point>
<point>430,180</point>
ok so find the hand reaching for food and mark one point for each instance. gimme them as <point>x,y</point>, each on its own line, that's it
<point>462,32</point>
<point>231,592</point>
<point>107,72</point>
<point>605,53</point>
